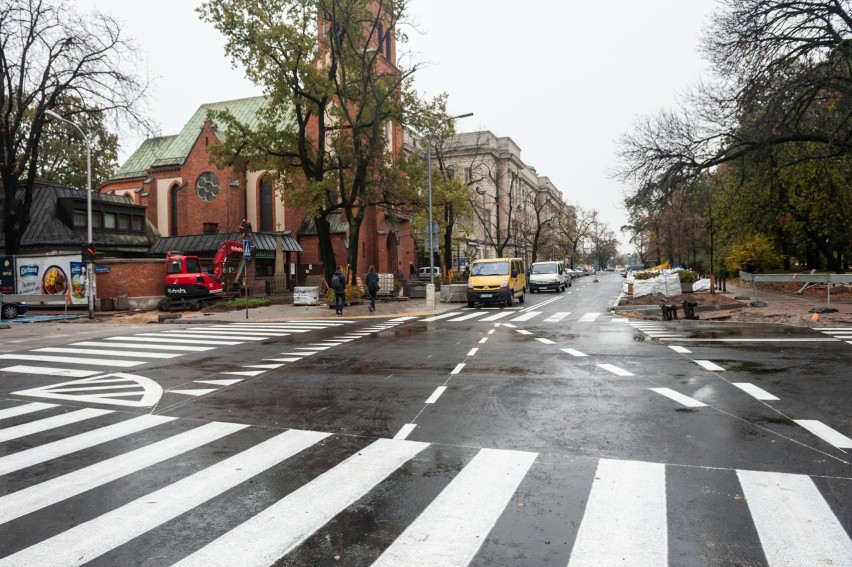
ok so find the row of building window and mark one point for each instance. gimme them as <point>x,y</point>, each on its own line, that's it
<point>110,221</point>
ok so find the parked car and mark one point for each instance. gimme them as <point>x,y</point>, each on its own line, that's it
<point>423,274</point>
<point>549,275</point>
<point>12,309</point>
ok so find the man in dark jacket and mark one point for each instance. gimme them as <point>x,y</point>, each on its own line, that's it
<point>371,280</point>
<point>338,284</point>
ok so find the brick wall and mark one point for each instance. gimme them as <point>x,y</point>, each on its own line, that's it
<point>135,277</point>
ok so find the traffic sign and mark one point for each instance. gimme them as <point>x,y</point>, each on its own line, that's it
<point>247,249</point>
<point>435,227</point>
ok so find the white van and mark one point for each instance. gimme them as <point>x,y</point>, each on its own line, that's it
<point>423,274</point>
<point>549,275</point>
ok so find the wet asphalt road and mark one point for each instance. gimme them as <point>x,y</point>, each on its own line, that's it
<point>546,434</point>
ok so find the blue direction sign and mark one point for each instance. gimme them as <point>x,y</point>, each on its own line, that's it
<point>247,249</point>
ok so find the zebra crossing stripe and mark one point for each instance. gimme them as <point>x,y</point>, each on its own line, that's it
<point>146,346</point>
<point>626,509</point>
<point>679,398</point>
<point>794,522</point>
<point>526,316</point>
<point>826,433</point>
<point>24,409</point>
<point>60,488</point>
<point>442,316</point>
<point>157,338</point>
<point>18,431</point>
<point>269,535</point>
<point>47,371</point>
<point>98,536</point>
<point>107,352</point>
<point>498,315</point>
<point>556,317</point>
<point>589,317</point>
<point>441,535</point>
<point>72,360</point>
<point>62,447</point>
<point>468,316</point>
<point>754,391</point>
<point>214,335</point>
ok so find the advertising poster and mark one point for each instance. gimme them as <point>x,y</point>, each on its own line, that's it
<point>7,274</point>
<point>60,276</point>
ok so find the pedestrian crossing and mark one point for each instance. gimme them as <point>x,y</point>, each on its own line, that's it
<point>514,316</point>
<point>268,500</point>
<point>842,333</point>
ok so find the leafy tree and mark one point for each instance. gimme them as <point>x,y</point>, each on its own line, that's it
<point>334,100</point>
<point>755,254</point>
<point>54,58</point>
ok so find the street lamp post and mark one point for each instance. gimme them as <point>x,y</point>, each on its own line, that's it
<point>429,177</point>
<point>90,273</point>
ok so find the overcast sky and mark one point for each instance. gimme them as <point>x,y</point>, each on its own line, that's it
<point>563,79</point>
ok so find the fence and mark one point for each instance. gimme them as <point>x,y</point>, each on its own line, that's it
<point>826,279</point>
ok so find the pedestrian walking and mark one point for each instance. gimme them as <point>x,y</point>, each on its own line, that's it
<point>371,280</point>
<point>412,272</point>
<point>338,284</point>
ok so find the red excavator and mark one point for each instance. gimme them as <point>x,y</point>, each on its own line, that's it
<point>188,286</point>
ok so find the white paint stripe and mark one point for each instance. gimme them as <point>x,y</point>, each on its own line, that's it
<point>36,497</point>
<point>523,331</point>
<point>244,373</point>
<point>499,315</point>
<point>589,317</point>
<point>195,393</point>
<point>146,513</point>
<point>472,351</point>
<point>213,335</point>
<point>314,349</point>
<point>265,366</point>
<point>795,524</point>
<point>573,352</point>
<point>679,398</point>
<point>620,320</point>
<point>680,349</point>
<point>47,371</point>
<point>754,391</point>
<point>485,339</point>
<point>405,431</point>
<point>291,359</point>
<point>509,325</point>
<point>625,518</point>
<point>468,316</point>
<point>303,353</point>
<point>220,382</point>
<point>269,535</point>
<point>401,319</point>
<point>546,341</point>
<point>764,340</point>
<point>615,369</point>
<point>24,409</point>
<point>436,394</point>
<point>558,316</point>
<point>149,347</point>
<point>32,427</point>
<point>442,316</point>
<point>106,352</point>
<point>72,360</point>
<point>231,331</point>
<point>707,365</point>
<point>526,316</point>
<point>157,338</point>
<point>458,368</point>
<point>491,332</point>
<point>849,329</point>
<point>62,447</point>
<point>454,526</point>
<point>826,433</point>
<point>661,335</point>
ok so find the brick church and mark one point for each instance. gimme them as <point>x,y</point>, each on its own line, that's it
<point>195,205</point>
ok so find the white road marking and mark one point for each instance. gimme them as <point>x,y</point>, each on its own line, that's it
<point>573,352</point>
<point>214,335</point>
<point>292,359</point>
<point>615,370</point>
<point>194,393</point>
<point>707,365</point>
<point>754,391</point>
<point>303,353</point>
<point>485,339</point>
<point>826,433</point>
<point>220,382</point>
<point>62,447</point>
<point>442,316</point>
<point>472,351</point>
<point>764,340</point>
<point>32,427</point>
<point>509,325</point>
<point>157,338</point>
<point>401,319</point>
<point>468,316</point>
<point>441,535</point>
<point>527,316</point>
<point>556,317</point>
<point>498,315</point>
<point>244,373</point>
<point>46,371</point>
<point>146,513</point>
<point>313,348</point>
<point>57,489</point>
<point>795,524</point>
<point>405,431</point>
<point>680,349</point>
<point>24,409</point>
<point>264,366</point>
<point>251,332</point>
<point>145,346</point>
<point>491,332</point>
<point>458,368</point>
<point>546,341</point>
<point>269,535</point>
<point>436,394</point>
<point>589,317</point>
<point>679,398</point>
<point>523,331</point>
<point>106,352</point>
<point>626,508</point>
<point>72,360</point>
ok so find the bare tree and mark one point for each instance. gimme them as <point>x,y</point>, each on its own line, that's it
<point>54,59</point>
<point>574,227</point>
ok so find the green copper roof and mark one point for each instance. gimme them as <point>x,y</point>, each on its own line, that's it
<point>173,150</point>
